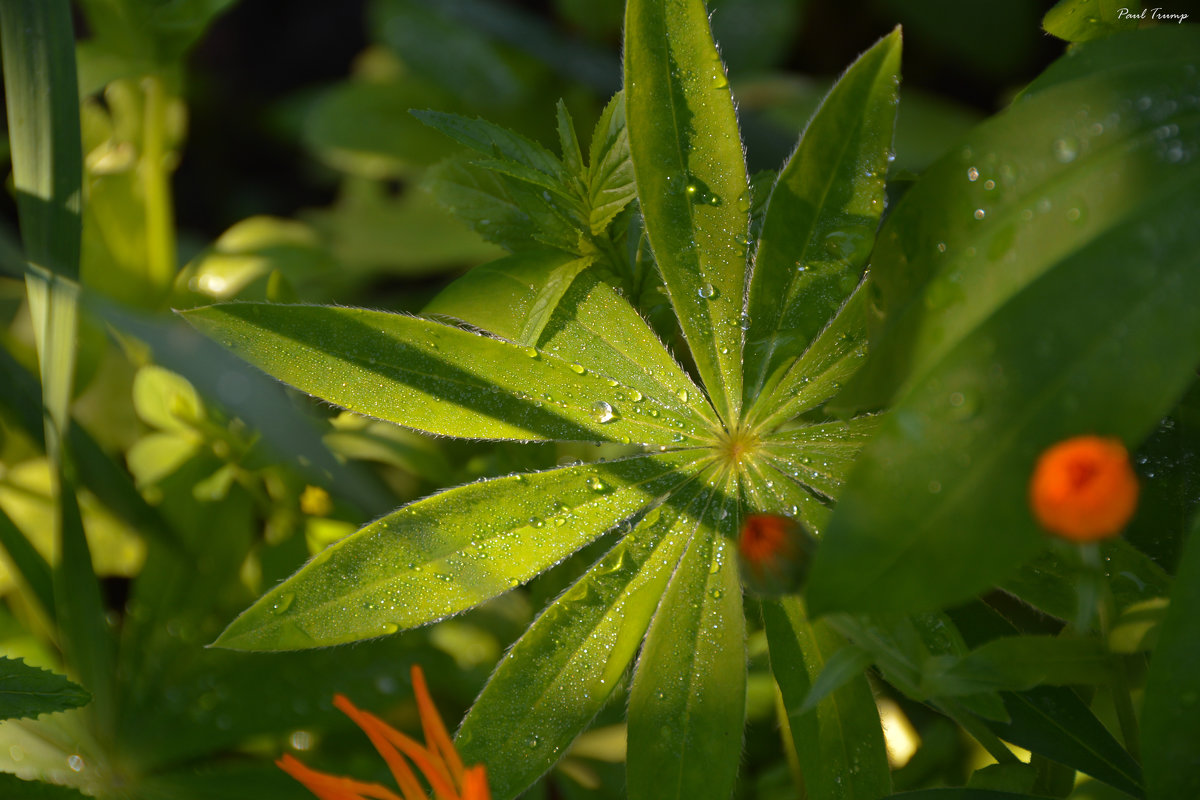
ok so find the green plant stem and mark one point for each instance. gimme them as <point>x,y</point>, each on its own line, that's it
<point>1105,611</point>
<point>160,222</point>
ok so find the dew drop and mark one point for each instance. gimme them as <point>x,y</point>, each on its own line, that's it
<point>634,395</point>
<point>682,394</point>
<point>972,174</point>
<point>980,213</point>
<point>577,369</point>
<point>281,605</point>
<point>75,762</point>
<point>707,291</point>
<point>719,80</point>
<point>596,485</point>
<point>744,321</point>
<point>532,352</point>
<point>603,412</point>
<point>1066,149</point>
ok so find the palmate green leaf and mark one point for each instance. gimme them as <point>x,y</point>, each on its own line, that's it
<point>1170,725</point>
<point>482,200</point>
<point>691,182</point>
<point>828,363</point>
<point>1085,151</point>
<point>839,743</point>
<point>563,669</point>
<point>822,215</point>
<point>452,551</point>
<point>513,297</point>
<point>438,378</point>
<point>1090,333</point>
<point>27,691</point>
<point>687,704</point>
<point>568,141</point>
<point>820,456</point>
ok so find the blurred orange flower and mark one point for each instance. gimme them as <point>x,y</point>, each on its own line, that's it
<point>437,760</point>
<point>1084,488</point>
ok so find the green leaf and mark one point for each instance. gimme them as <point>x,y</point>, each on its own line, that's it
<point>12,786</point>
<point>1101,339</point>
<point>568,140</point>
<point>1087,154</point>
<point>1082,20</point>
<point>822,215</point>
<point>495,140</point>
<point>840,743</point>
<point>1016,663</point>
<point>451,551</point>
<point>820,456</point>
<point>161,31</point>
<point>687,703</point>
<point>691,182</point>
<point>826,365</point>
<point>1170,726</point>
<point>563,669</point>
<point>27,691</point>
<point>483,201</point>
<point>961,794</point>
<point>610,178</point>
<point>842,667</point>
<point>29,563</point>
<point>434,377</point>
<point>1055,723</point>
<point>513,297</point>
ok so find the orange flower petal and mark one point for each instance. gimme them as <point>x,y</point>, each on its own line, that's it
<point>334,787</point>
<point>475,785</point>
<point>436,736</point>
<point>1084,488</point>
<point>376,730</point>
<point>774,552</point>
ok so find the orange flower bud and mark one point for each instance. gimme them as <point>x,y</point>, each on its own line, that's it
<point>1084,488</point>
<point>775,554</point>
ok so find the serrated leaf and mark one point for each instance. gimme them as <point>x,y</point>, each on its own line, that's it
<point>568,141</point>
<point>482,200</point>
<point>451,551</point>
<point>1170,725</point>
<point>434,377</point>
<point>687,702</point>
<point>27,691</point>
<point>610,179</point>
<point>822,214</point>
<point>513,297</point>
<point>1055,333</point>
<point>840,743</point>
<point>495,140</point>
<point>563,669</point>
<point>691,182</point>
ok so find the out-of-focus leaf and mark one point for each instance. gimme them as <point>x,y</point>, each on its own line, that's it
<point>839,743</point>
<point>1018,333</point>
<point>1016,663</point>
<point>159,31</point>
<point>1082,20</point>
<point>437,378</point>
<point>687,702</point>
<point>1170,725</point>
<point>12,786</point>
<point>561,672</point>
<point>753,34</point>
<point>369,232</point>
<point>691,182</point>
<point>29,563</point>
<point>822,215</point>
<point>452,551</point>
<point>27,691</point>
